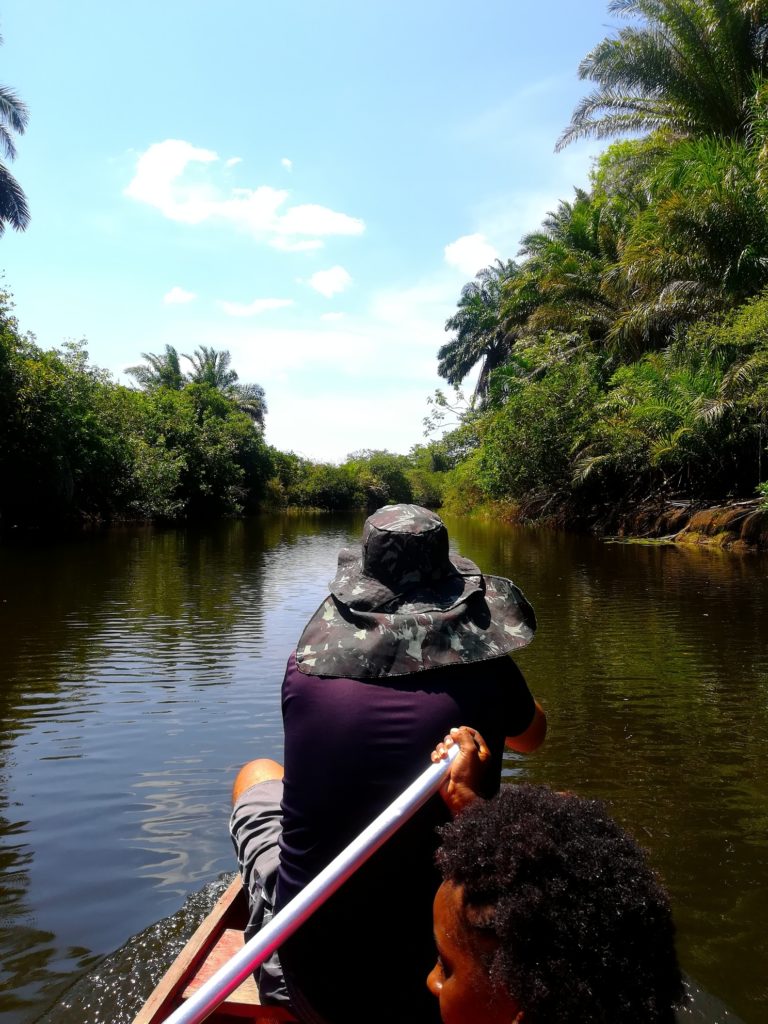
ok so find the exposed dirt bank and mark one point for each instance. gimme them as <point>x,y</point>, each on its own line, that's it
<point>738,525</point>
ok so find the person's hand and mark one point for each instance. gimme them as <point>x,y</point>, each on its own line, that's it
<point>467,779</point>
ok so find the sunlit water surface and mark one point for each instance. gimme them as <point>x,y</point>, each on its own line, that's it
<point>139,668</point>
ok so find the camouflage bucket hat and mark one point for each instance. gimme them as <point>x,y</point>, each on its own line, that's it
<point>405,604</point>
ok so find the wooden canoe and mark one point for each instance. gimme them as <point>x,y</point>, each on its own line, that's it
<point>219,937</point>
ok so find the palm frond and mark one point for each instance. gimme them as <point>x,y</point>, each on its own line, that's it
<point>13,111</point>
<point>13,202</point>
<point>688,66</point>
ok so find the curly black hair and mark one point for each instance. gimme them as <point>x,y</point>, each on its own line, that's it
<point>583,926</point>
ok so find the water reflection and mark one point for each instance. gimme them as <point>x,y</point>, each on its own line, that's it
<point>140,668</point>
<point>652,662</point>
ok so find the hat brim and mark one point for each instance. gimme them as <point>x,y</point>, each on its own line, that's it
<point>492,619</point>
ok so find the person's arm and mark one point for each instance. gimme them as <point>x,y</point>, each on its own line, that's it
<point>532,738</point>
<point>468,777</point>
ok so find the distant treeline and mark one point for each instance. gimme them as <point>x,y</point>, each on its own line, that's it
<point>77,447</point>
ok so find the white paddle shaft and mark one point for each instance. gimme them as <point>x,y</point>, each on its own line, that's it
<point>303,905</point>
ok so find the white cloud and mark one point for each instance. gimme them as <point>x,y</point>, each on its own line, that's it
<point>253,308</point>
<point>176,296</point>
<point>343,422</point>
<point>156,172</point>
<point>330,282</point>
<point>352,378</point>
<point>233,160</point>
<point>287,164</point>
<point>286,353</point>
<point>310,219</point>
<point>286,245</point>
<point>470,253</point>
<point>332,317</point>
<point>175,178</point>
<point>425,306</point>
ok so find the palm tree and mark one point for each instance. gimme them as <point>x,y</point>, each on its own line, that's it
<point>664,418</point>
<point>158,371</point>
<point>212,367</point>
<point>564,283</point>
<point>480,334</point>
<point>251,400</point>
<point>700,246</point>
<point>692,69</point>
<point>13,118</point>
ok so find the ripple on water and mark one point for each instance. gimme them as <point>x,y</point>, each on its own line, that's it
<point>141,669</point>
<point>117,988</point>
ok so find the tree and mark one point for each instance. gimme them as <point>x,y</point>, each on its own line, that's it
<point>700,245</point>
<point>480,334</point>
<point>692,69</point>
<point>209,367</point>
<point>563,285</point>
<point>160,372</point>
<point>250,399</point>
<point>212,367</point>
<point>381,475</point>
<point>13,118</point>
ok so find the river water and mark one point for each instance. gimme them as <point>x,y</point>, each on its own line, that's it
<point>140,667</point>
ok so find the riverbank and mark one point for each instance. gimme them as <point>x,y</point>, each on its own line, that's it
<point>739,526</point>
<point>736,526</point>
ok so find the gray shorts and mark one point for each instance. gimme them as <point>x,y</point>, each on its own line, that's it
<point>255,827</point>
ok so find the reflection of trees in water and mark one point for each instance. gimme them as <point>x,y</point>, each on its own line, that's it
<point>652,663</point>
<point>44,662</point>
<point>653,703</point>
<point>33,969</point>
<point>75,619</point>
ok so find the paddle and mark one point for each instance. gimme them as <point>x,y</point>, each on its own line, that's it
<point>303,905</point>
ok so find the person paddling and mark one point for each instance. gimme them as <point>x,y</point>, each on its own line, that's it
<point>410,640</point>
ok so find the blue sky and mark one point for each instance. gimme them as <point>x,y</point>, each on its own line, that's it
<point>308,185</point>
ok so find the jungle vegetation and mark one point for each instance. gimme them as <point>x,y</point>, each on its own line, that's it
<point>621,355</point>
<point>76,447</point>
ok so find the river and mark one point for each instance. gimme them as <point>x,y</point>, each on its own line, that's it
<point>141,666</point>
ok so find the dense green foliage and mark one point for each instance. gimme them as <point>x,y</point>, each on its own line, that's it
<point>210,367</point>
<point>621,357</point>
<point>367,479</point>
<point>76,446</point>
<point>624,357</point>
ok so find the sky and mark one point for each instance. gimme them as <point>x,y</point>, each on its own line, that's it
<point>308,185</point>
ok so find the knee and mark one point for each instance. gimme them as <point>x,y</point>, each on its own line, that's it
<point>260,770</point>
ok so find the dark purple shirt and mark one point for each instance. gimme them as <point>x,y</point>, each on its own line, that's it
<point>351,747</point>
